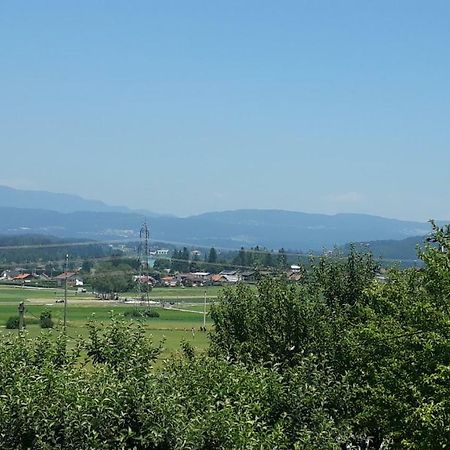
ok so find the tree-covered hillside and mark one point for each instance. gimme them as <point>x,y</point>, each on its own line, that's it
<point>26,248</point>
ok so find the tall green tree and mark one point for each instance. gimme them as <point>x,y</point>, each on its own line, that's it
<point>268,260</point>
<point>282,259</point>
<point>212,255</point>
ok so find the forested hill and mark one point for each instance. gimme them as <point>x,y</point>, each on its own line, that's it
<point>404,249</point>
<point>35,247</point>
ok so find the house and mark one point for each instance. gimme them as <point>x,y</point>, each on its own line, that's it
<point>194,278</point>
<point>229,272</point>
<point>10,274</point>
<point>225,279</point>
<point>43,277</point>
<point>169,281</point>
<point>162,252</point>
<point>295,276</point>
<point>145,279</point>
<point>231,276</point>
<point>204,276</point>
<point>232,279</point>
<point>72,279</point>
<point>218,279</point>
<point>249,276</point>
<point>24,277</point>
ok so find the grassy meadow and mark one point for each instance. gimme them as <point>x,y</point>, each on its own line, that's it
<point>174,324</point>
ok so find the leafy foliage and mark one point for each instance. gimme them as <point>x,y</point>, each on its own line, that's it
<point>389,341</point>
<point>12,323</point>
<point>116,400</point>
<point>120,346</point>
<point>112,282</point>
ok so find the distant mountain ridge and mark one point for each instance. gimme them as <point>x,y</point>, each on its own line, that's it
<point>65,203</point>
<point>65,215</point>
<point>272,229</point>
<point>256,217</point>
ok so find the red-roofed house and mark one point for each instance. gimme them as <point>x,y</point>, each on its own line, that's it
<point>23,277</point>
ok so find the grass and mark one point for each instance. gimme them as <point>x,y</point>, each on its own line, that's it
<point>172,325</point>
<point>196,308</point>
<point>14,294</point>
<point>175,294</point>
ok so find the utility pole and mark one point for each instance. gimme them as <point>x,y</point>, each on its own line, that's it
<point>65,293</point>
<point>21,316</point>
<point>204,312</point>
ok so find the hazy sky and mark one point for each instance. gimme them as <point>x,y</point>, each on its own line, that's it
<point>188,106</point>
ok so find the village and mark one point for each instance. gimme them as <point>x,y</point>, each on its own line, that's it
<point>77,280</point>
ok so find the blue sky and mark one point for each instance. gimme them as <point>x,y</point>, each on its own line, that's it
<point>190,106</point>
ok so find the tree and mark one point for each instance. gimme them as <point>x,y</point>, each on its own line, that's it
<point>342,279</point>
<point>184,260</point>
<point>194,265</point>
<point>282,259</point>
<point>176,262</point>
<point>111,283</point>
<point>212,256</point>
<point>87,266</point>
<point>241,258</point>
<point>275,324</point>
<point>268,260</point>
<point>162,263</point>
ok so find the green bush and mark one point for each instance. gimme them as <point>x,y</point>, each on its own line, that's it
<point>118,401</point>
<point>120,345</point>
<point>139,313</point>
<point>46,319</point>
<point>12,323</point>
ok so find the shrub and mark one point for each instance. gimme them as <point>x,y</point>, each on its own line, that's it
<point>120,345</point>
<point>46,319</point>
<point>12,323</point>
<point>138,313</point>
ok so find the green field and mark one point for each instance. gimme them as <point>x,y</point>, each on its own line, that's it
<point>172,325</point>
<point>194,294</point>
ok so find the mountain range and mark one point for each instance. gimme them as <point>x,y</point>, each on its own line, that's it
<point>66,215</point>
<point>65,203</point>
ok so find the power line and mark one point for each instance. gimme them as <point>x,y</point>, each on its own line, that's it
<point>61,245</point>
<point>185,244</point>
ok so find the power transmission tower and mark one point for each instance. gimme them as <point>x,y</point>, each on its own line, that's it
<point>144,236</point>
<point>66,268</point>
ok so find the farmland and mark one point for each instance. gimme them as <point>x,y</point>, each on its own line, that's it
<point>183,311</point>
